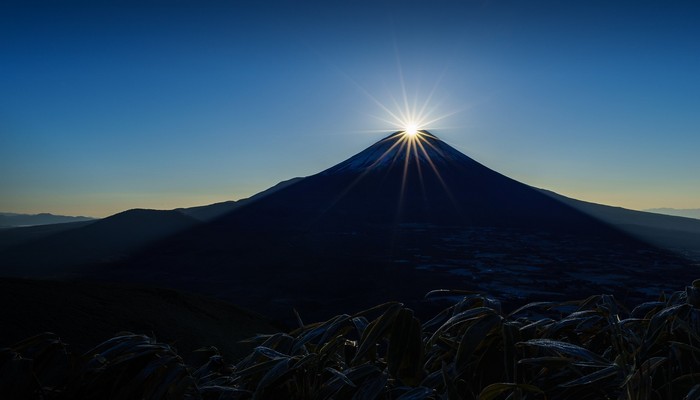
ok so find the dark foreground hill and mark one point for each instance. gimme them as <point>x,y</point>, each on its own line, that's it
<point>84,314</point>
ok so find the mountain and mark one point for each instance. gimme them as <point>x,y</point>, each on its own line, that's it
<point>405,216</point>
<point>11,220</point>
<point>687,212</point>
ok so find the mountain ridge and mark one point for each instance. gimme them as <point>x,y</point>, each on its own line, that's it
<point>11,220</point>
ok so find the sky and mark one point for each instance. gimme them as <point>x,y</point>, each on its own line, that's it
<point>107,106</point>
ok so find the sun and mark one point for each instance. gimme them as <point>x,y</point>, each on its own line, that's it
<point>411,129</point>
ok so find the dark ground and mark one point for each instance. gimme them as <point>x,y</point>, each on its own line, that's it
<point>86,314</point>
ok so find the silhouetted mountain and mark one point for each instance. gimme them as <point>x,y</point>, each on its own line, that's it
<point>683,212</point>
<point>102,241</point>
<point>402,217</point>
<point>9,220</point>
<point>83,314</point>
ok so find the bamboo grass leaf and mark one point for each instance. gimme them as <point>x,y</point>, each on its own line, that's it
<point>371,388</point>
<point>474,337</point>
<point>405,351</point>
<point>376,330</point>
<point>419,393</point>
<point>460,317</point>
<point>563,348</point>
<point>277,372</point>
<point>527,307</point>
<point>494,390</point>
<point>594,377</point>
<point>694,392</point>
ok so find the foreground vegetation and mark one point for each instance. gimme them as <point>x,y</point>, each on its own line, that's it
<point>588,349</point>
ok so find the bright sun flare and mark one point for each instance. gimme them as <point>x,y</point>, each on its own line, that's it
<point>411,129</point>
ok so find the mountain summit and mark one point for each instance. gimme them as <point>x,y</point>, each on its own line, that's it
<point>402,149</point>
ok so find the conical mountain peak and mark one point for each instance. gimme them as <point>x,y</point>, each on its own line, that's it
<point>402,149</point>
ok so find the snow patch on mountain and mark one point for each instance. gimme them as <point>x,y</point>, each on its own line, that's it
<point>397,149</point>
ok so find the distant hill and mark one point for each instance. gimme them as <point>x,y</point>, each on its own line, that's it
<point>104,240</point>
<point>687,212</point>
<point>10,220</point>
<point>84,314</point>
<point>46,247</point>
<point>677,233</point>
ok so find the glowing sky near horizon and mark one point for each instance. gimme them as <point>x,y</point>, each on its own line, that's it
<point>117,105</point>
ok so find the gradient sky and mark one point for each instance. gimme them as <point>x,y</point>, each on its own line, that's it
<point>163,104</point>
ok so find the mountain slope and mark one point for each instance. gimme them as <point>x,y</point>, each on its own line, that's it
<point>210,211</point>
<point>216,210</point>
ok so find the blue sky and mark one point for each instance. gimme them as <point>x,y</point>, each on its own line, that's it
<point>116,105</point>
